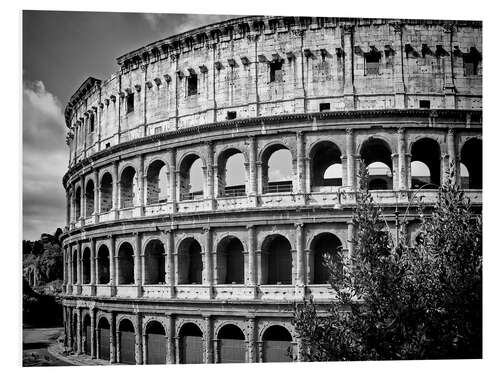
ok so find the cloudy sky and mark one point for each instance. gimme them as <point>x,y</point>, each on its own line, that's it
<point>60,50</point>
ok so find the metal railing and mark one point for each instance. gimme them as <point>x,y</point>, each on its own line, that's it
<point>195,195</point>
<point>235,191</point>
<point>279,187</point>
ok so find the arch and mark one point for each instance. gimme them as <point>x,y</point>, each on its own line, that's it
<point>156,182</point>
<point>154,258</point>
<point>89,198</point>
<point>325,156</point>
<point>156,343</point>
<point>277,344</point>
<point>106,192</point>
<point>86,266</point>
<point>103,265</point>
<point>376,154</point>
<point>191,177</point>
<point>125,264</point>
<point>232,346</point>
<point>464,176</point>
<point>231,173</point>
<point>103,338</point>
<point>230,261</point>
<point>128,187</point>
<point>277,169</point>
<point>427,152</point>
<point>75,267</point>
<point>276,260</point>
<point>324,244</point>
<point>126,336</point>
<point>190,262</point>
<point>471,156</point>
<point>191,344</point>
<point>78,203</point>
<point>87,335</point>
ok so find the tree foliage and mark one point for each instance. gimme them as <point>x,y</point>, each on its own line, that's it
<point>397,301</point>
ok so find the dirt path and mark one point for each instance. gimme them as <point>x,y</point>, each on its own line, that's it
<point>35,344</point>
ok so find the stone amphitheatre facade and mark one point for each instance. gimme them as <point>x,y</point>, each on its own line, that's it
<point>171,259</point>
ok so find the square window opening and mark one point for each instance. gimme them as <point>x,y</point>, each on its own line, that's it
<point>276,72</point>
<point>92,123</point>
<point>231,115</point>
<point>372,63</point>
<point>470,65</point>
<point>192,83</point>
<point>426,104</point>
<point>324,107</point>
<point>130,103</point>
<point>108,145</point>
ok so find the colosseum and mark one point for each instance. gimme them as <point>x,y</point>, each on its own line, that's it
<point>208,176</point>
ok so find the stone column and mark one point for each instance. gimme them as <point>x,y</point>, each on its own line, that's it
<point>209,350</point>
<point>452,155</point>
<point>210,175</point>
<point>350,238</point>
<point>252,171</point>
<point>113,357</point>
<point>113,275</point>
<point>116,189</point>
<point>138,263</point>
<point>251,273</point>
<point>260,351</point>
<point>398,61</point>
<point>169,245</point>
<point>78,330</point>
<point>93,341</point>
<point>351,167</point>
<point>140,184</point>
<point>79,268</point>
<point>402,167</point>
<point>138,340</point>
<point>349,57</point>
<point>97,207</point>
<point>68,208</point>
<point>92,266</point>
<point>252,338</point>
<point>299,248</point>
<point>207,267</point>
<point>170,339</point>
<point>301,170</point>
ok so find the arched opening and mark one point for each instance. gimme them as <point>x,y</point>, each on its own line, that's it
<point>78,203</point>
<point>277,344</point>
<point>376,154</point>
<point>103,265</point>
<point>103,338</point>
<point>75,267</point>
<point>155,263</point>
<point>232,346</point>
<point>427,152</point>
<point>324,244</point>
<point>157,183</point>
<point>472,157</point>
<point>276,260</point>
<point>156,343</point>
<point>87,335</point>
<point>125,264</point>
<point>277,170</point>
<point>326,165</point>
<point>464,177</point>
<point>191,178</point>
<point>89,198</point>
<point>128,187</point>
<point>106,192</point>
<point>230,261</point>
<point>190,262</point>
<point>86,266</point>
<point>231,174</point>
<point>191,344</point>
<point>126,335</point>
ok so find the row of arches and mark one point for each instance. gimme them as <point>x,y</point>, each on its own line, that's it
<point>231,343</point>
<point>325,169</point>
<point>276,261</point>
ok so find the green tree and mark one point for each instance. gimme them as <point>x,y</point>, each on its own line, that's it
<point>397,301</point>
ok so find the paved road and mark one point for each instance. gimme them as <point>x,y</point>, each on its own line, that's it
<point>35,343</point>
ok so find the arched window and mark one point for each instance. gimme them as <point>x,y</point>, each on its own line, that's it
<point>277,170</point>
<point>103,265</point>
<point>128,187</point>
<point>276,260</point>
<point>86,266</point>
<point>89,198</point>
<point>232,346</point>
<point>464,177</point>
<point>154,263</point>
<point>191,178</point>
<point>190,263</point>
<point>126,335</point>
<point>157,183</point>
<point>103,339</point>
<point>231,174</point>
<point>230,261</point>
<point>322,245</point>
<point>75,267</point>
<point>156,343</point>
<point>106,193</point>
<point>277,344</point>
<point>472,157</point>
<point>376,154</point>
<point>191,344</point>
<point>125,264</point>
<point>78,203</point>
<point>87,334</point>
<point>425,164</point>
<point>326,165</point>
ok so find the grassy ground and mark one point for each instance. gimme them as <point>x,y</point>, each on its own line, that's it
<point>35,343</point>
